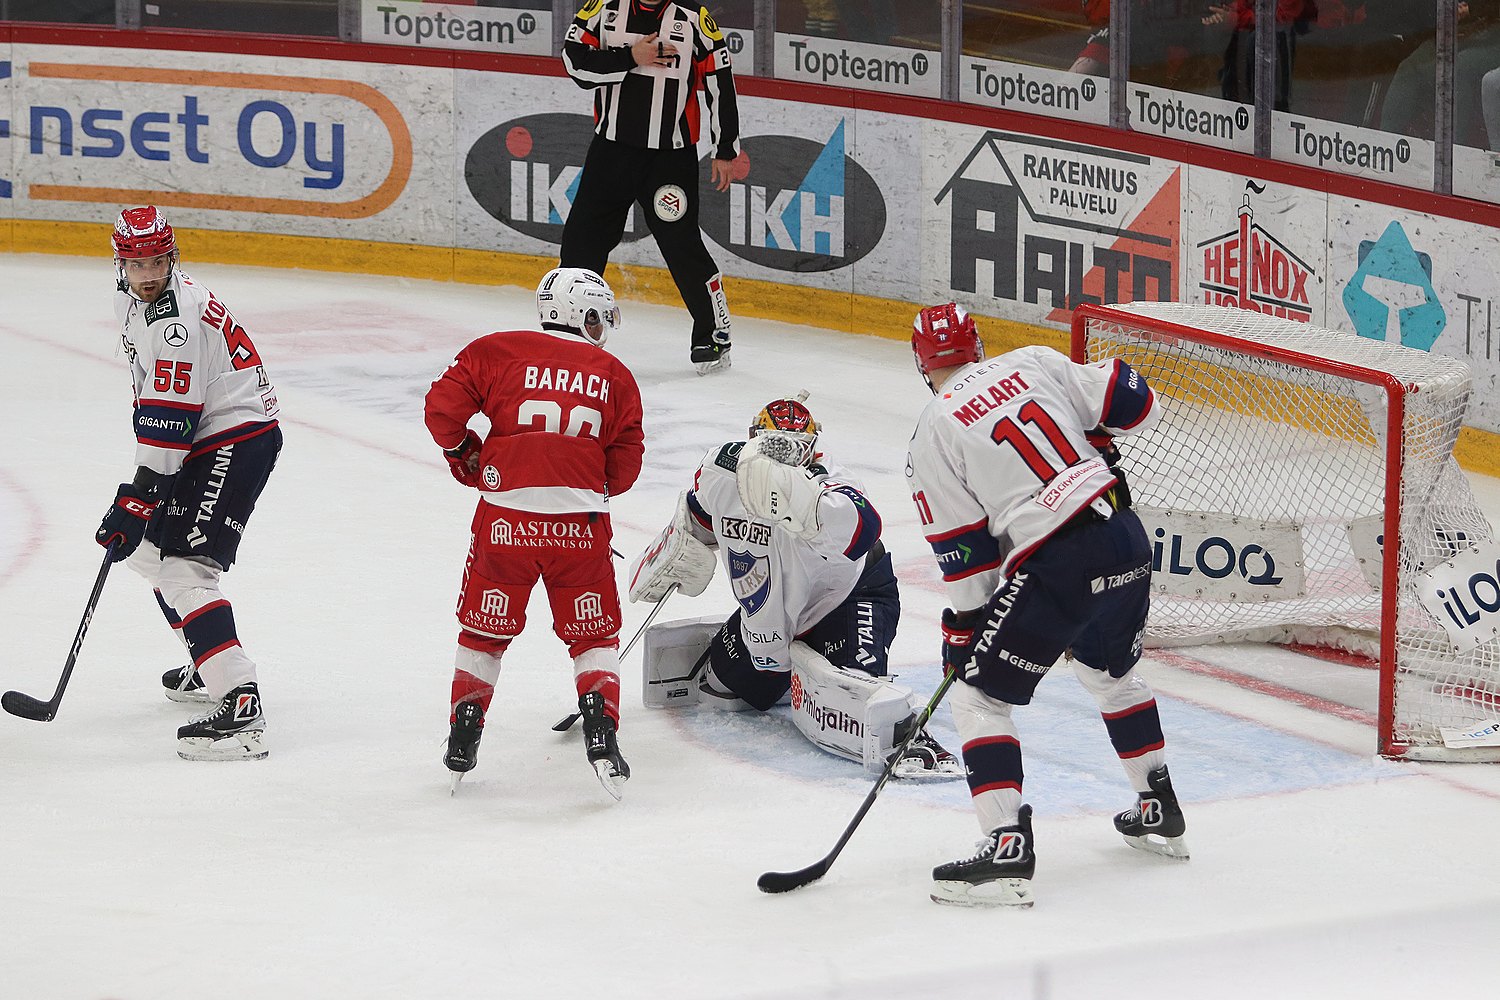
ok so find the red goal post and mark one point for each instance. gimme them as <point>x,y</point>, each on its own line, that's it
<point>1286,456</point>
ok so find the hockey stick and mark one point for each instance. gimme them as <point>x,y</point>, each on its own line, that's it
<point>24,706</point>
<point>567,721</point>
<point>787,881</point>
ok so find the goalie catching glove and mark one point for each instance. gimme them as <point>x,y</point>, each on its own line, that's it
<point>775,484</point>
<point>674,556</point>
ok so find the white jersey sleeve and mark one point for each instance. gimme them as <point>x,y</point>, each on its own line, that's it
<point>1001,459</point>
<point>199,381</point>
<point>784,585</point>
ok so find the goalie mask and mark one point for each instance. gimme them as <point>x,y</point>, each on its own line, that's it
<point>944,337</point>
<point>576,300</point>
<point>145,251</point>
<point>789,420</point>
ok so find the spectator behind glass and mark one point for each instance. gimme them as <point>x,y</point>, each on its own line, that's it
<point>1237,78</point>
<point>1410,105</point>
<point>1168,47</point>
<point>856,20</point>
<point>1489,90</point>
<point>1344,67</point>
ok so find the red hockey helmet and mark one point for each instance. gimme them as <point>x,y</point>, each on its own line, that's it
<point>142,233</point>
<point>944,337</point>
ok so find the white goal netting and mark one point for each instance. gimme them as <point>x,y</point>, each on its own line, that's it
<point>1264,492</point>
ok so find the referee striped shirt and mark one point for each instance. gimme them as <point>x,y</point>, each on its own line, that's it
<point>654,107</point>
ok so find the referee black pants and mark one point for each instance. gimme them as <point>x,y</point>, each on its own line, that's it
<point>616,176</point>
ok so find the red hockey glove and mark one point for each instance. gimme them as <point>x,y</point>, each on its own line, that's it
<point>958,640</point>
<point>463,461</point>
<point>125,524</point>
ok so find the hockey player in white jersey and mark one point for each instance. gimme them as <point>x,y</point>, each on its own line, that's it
<point>1014,472</point>
<point>818,601</point>
<point>207,438</point>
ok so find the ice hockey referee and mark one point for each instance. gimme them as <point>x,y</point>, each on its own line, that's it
<point>646,61</point>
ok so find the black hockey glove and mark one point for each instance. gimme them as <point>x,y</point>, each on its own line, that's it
<point>958,639</point>
<point>125,524</point>
<point>463,461</point>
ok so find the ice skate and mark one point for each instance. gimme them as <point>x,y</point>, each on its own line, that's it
<point>182,684</point>
<point>600,743</point>
<point>998,874</point>
<point>713,356</point>
<point>463,742</point>
<point>1155,824</point>
<point>232,730</point>
<point>924,759</point>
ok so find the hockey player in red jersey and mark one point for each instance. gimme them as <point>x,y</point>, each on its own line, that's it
<point>207,438</point>
<point>565,435</point>
<point>1017,483</point>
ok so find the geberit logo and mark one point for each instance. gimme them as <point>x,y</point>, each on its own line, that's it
<point>236,142</point>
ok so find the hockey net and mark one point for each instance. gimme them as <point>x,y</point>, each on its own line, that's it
<point>1286,456</point>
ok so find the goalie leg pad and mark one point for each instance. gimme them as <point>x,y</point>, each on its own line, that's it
<point>675,660</point>
<point>846,712</point>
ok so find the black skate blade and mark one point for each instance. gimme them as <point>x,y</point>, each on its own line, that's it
<point>787,881</point>
<point>24,706</point>
<point>566,722</point>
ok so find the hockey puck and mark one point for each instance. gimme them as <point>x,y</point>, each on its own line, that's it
<point>670,202</point>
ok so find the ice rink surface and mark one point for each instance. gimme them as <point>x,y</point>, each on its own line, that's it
<point>340,866</point>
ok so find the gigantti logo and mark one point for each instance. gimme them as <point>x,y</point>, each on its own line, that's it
<point>809,206</point>
<point>1251,269</point>
<point>525,174</point>
<point>1394,282</point>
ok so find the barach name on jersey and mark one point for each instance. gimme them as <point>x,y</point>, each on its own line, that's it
<point>566,380</point>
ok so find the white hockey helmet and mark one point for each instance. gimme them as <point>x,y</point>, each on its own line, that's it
<point>576,300</point>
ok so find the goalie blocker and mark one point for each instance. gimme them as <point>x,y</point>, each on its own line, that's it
<point>845,712</point>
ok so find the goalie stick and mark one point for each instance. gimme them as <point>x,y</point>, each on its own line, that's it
<point>24,706</point>
<point>566,722</point>
<point>787,881</point>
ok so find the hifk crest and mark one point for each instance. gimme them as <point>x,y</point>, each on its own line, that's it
<point>750,579</point>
